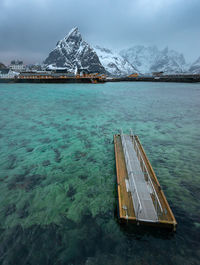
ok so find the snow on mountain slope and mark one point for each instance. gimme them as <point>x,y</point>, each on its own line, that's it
<point>195,67</point>
<point>140,56</point>
<point>169,61</point>
<point>74,53</point>
<point>150,59</point>
<point>115,64</point>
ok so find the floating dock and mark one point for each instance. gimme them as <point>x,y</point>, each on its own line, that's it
<point>141,199</point>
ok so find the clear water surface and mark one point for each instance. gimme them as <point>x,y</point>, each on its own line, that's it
<point>58,200</point>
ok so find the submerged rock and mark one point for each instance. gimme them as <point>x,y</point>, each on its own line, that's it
<point>9,209</point>
<point>83,177</point>
<point>46,163</point>
<point>29,149</point>
<point>71,192</point>
<point>33,181</point>
<point>23,212</point>
<point>57,155</point>
<point>45,140</point>
<point>92,159</point>
<point>25,182</point>
<point>11,161</point>
<point>79,155</point>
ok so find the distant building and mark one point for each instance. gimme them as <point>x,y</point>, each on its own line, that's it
<point>17,66</point>
<point>7,73</point>
<point>34,67</point>
<point>158,74</point>
<point>134,75</point>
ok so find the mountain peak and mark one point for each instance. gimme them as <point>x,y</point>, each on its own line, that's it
<point>73,35</point>
<point>73,31</point>
<point>74,53</point>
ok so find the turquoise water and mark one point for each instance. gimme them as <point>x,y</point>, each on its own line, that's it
<point>58,200</point>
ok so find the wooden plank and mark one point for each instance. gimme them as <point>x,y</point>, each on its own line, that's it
<point>167,215</point>
<point>124,197</point>
<point>139,184</point>
<point>126,208</point>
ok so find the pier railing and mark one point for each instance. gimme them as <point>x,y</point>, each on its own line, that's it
<point>134,192</point>
<point>158,206</point>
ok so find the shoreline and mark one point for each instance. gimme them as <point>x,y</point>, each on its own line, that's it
<point>174,79</point>
<point>51,80</point>
<point>169,78</point>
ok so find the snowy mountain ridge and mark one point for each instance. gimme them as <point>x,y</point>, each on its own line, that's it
<point>113,62</point>
<point>151,59</point>
<point>73,53</point>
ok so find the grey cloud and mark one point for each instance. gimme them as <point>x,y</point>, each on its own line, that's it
<point>30,29</point>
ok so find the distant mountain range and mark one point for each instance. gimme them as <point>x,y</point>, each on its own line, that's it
<point>150,59</point>
<point>73,53</point>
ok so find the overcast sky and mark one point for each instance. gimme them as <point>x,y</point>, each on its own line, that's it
<point>29,29</point>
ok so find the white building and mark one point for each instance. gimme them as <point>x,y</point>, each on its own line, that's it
<point>17,66</point>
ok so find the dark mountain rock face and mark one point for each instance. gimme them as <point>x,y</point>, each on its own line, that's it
<point>74,53</point>
<point>2,66</point>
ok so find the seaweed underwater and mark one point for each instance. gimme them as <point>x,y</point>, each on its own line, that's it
<point>57,172</point>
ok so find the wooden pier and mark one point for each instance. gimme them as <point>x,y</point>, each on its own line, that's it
<point>141,199</point>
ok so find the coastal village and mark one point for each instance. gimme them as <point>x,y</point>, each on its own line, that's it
<point>18,72</point>
<point>73,60</point>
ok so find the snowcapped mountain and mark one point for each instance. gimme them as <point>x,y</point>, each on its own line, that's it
<point>150,59</point>
<point>74,53</point>
<point>140,56</point>
<point>115,64</point>
<point>169,61</point>
<point>195,67</point>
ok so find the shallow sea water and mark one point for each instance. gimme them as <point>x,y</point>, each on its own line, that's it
<point>58,199</point>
